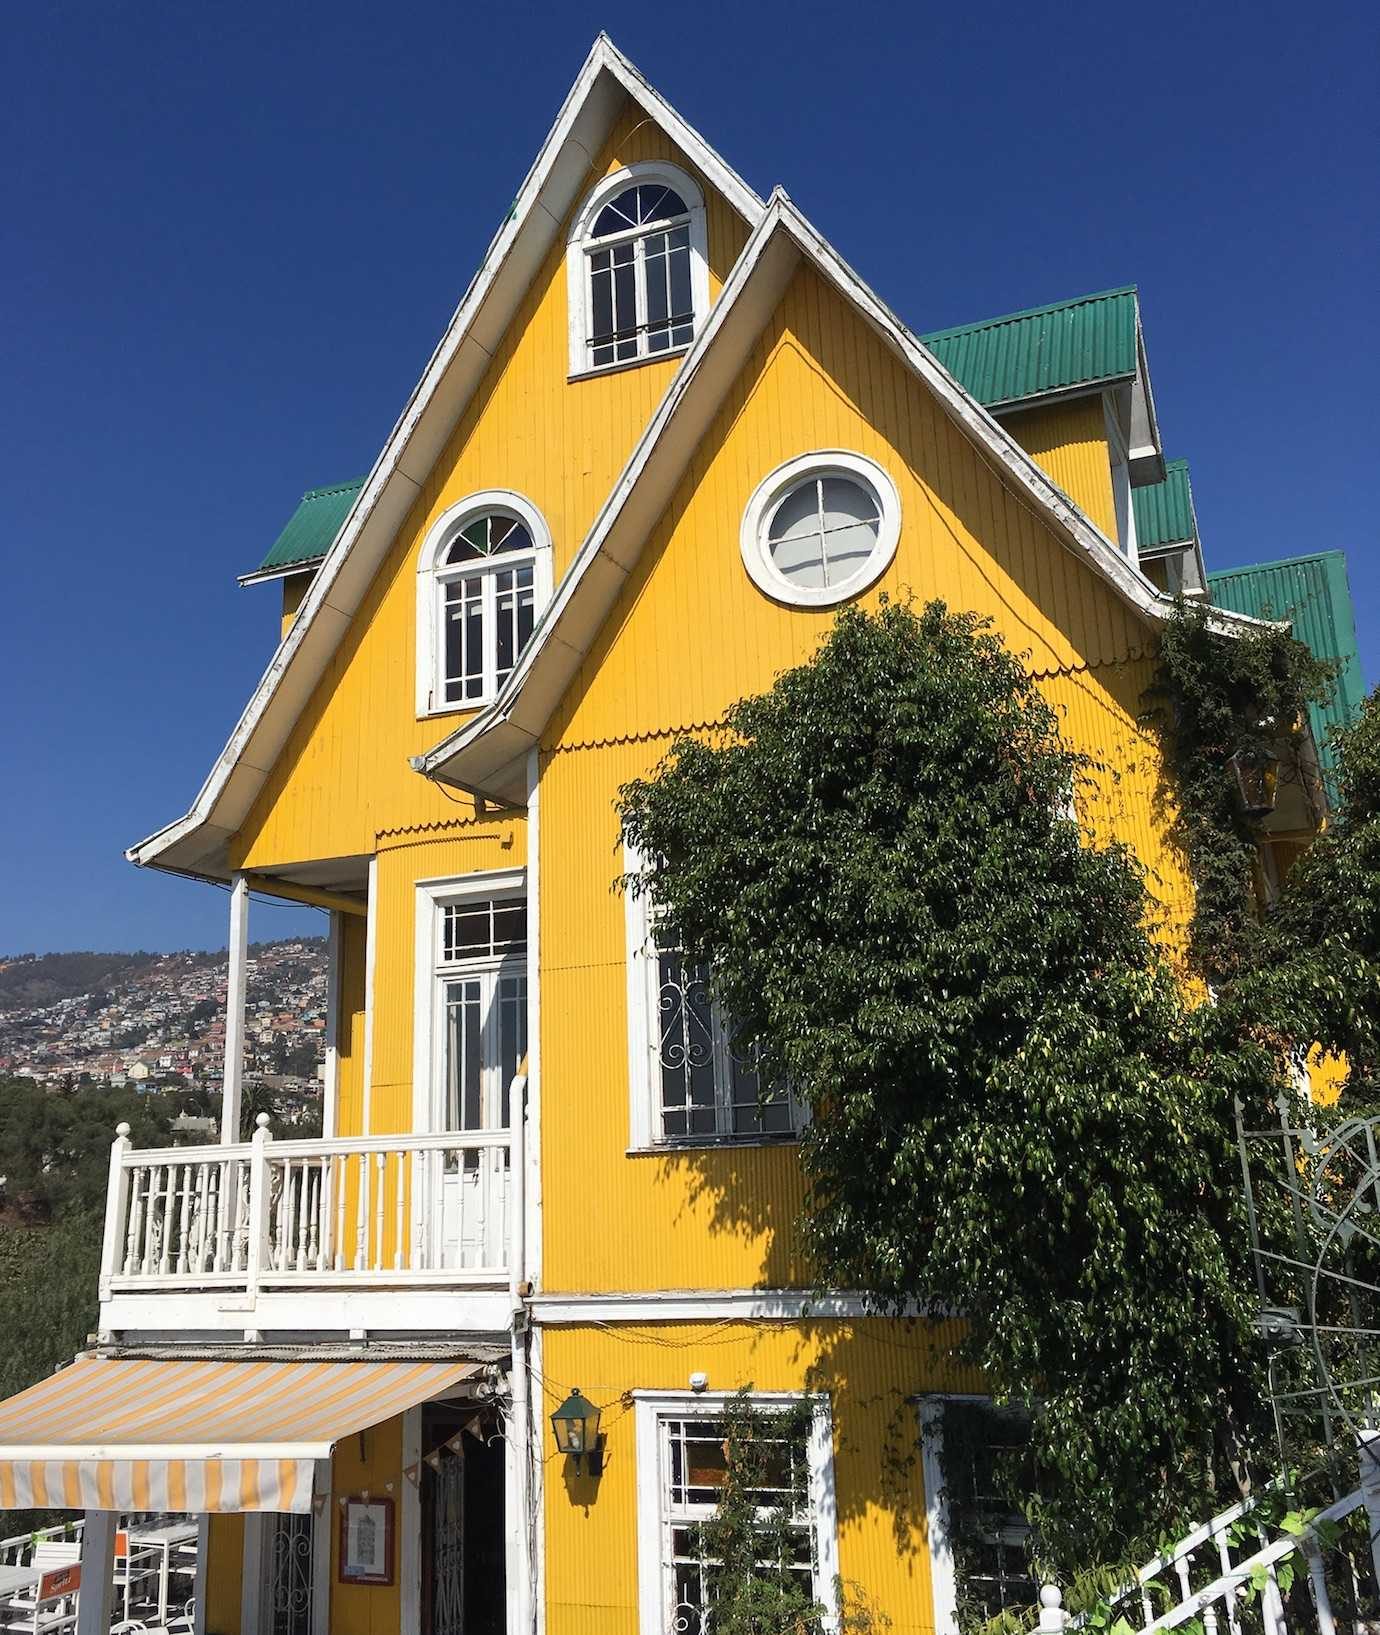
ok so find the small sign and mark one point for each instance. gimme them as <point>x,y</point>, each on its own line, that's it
<point>366,1541</point>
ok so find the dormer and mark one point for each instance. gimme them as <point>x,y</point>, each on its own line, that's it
<point>307,535</point>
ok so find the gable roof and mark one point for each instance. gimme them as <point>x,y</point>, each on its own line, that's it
<point>1165,515</point>
<point>309,532</point>
<point>1090,340</point>
<point>487,755</point>
<point>1314,594</point>
<point>196,843</point>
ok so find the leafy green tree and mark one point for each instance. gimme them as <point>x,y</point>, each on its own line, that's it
<point>1015,1113</point>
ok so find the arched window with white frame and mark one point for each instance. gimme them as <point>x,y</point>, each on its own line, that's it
<point>482,580</point>
<point>638,268</point>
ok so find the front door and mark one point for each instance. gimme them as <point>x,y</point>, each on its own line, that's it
<point>464,1571</point>
<point>482,1026</point>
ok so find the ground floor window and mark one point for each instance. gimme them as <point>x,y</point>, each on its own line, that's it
<point>683,1463</point>
<point>975,1460</point>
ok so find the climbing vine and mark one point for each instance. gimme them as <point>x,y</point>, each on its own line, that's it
<point>1215,697</point>
<point>760,1577</point>
<point>1014,1110</point>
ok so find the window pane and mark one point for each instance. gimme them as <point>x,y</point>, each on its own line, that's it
<point>625,301</point>
<point>464,639</point>
<point>515,613</point>
<point>685,1048</point>
<point>601,295</point>
<point>464,1061</point>
<point>851,521</point>
<point>682,305</point>
<point>512,1036</point>
<point>801,560</point>
<point>483,930</point>
<point>618,214</point>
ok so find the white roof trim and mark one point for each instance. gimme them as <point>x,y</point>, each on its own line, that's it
<point>511,725</point>
<point>189,845</point>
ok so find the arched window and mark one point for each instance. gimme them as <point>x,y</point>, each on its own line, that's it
<point>483,578</point>
<point>638,273</point>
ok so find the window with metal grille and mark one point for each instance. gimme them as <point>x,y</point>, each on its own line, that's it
<point>984,1455</point>
<point>638,268</point>
<point>694,1466</point>
<point>707,1086</point>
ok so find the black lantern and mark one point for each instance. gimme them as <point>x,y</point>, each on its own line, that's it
<point>575,1425</point>
<point>1257,780</point>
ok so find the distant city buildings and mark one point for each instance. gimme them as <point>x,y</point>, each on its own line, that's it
<point>164,1027</point>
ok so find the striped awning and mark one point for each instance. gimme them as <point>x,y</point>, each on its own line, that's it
<point>124,1433</point>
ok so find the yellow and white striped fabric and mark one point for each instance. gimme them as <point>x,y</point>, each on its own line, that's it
<point>124,1433</point>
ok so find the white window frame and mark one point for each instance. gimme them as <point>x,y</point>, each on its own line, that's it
<point>938,1520</point>
<point>650,1408</point>
<point>1122,502</point>
<point>428,1036</point>
<point>432,576</point>
<point>644,1086</point>
<point>776,485</point>
<point>579,248</point>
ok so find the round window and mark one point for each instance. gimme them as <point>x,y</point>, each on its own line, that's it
<point>820,529</point>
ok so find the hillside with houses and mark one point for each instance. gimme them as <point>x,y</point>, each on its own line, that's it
<point>157,1021</point>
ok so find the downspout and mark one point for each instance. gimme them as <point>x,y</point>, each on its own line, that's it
<point>520,1377</point>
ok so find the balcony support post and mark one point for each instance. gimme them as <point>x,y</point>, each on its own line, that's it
<point>96,1604</point>
<point>116,1210</point>
<point>259,1200</point>
<point>236,959</point>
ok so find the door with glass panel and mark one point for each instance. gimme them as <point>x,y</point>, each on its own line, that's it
<point>481,1000</point>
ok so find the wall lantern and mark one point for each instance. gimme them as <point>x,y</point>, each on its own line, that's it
<point>575,1425</point>
<point>1257,780</point>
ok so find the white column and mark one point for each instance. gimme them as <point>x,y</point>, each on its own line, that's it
<point>96,1605</point>
<point>236,956</point>
<point>322,1526</point>
<point>258,1548</point>
<point>330,1088</point>
<point>371,927</point>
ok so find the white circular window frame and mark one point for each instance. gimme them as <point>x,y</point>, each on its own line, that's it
<point>774,488</point>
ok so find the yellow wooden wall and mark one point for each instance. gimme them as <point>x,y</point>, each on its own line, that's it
<point>295,588</point>
<point>225,1575</point>
<point>688,636</point>
<point>1069,440</point>
<point>343,774</point>
<point>872,1370</point>
<point>372,1461</point>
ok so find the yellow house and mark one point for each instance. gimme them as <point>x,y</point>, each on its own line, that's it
<point>666,435</point>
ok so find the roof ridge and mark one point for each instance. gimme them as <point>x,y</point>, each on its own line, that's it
<point>1029,312</point>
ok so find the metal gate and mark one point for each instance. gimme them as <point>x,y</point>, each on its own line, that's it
<point>448,1547</point>
<point>290,1575</point>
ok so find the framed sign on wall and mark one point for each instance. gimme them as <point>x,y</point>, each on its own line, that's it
<point>366,1541</point>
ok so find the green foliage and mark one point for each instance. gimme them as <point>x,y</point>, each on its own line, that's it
<point>753,1546</point>
<point>1214,696</point>
<point>55,1143</point>
<point>1317,975</point>
<point>1014,1112</point>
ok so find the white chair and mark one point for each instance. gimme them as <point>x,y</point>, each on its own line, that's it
<point>51,1605</point>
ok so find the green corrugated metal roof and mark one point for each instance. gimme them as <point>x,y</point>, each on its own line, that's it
<point>1313,592</point>
<point>1164,511</point>
<point>1068,344</point>
<point>312,527</point>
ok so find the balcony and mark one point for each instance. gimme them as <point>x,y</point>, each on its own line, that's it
<point>231,1226</point>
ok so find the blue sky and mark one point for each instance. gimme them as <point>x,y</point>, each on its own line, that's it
<point>233,235</point>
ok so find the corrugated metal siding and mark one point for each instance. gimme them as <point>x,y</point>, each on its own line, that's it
<point>1314,593</point>
<point>872,1371</point>
<point>1069,441</point>
<point>1164,511</point>
<point>344,773</point>
<point>691,633</point>
<point>311,529</point>
<point>1046,349</point>
<point>700,1219</point>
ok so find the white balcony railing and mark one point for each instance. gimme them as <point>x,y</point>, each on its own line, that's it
<point>264,1214</point>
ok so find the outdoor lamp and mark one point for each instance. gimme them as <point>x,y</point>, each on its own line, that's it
<point>575,1425</point>
<point>1257,779</point>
